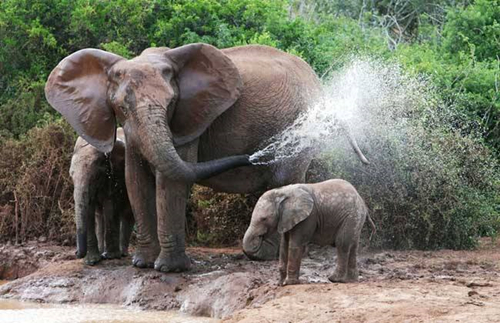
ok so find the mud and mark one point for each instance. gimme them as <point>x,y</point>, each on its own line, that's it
<point>394,286</point>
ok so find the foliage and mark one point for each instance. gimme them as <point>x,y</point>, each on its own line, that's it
<point>463,63</point>
<point>432,183</point>
<point>218,219</point>
<point>438,193</point>
<point>36,196</point>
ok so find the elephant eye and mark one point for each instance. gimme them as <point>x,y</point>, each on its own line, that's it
<point>167,72</point>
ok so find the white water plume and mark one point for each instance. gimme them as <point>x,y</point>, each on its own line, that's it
<point>363,94</point>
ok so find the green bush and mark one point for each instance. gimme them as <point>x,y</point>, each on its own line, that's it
<point>432,183</point>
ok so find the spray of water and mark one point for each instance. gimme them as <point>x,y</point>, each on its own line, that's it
<point>364,94</point>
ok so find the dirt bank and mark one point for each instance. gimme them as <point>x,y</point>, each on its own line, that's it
<point>395,286</point>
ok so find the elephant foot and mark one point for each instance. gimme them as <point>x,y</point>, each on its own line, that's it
<point>80,254</point>
<point>353,276</point>
<point>281,281</point>
<point>141,260</point>
<point>172,262</point>
<point>291,281</point>
<point>337,278</point>
<point>92,259</point>
<point>114,254</point>
<point>145,257</point>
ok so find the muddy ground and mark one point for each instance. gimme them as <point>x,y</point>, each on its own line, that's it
<point>410,286</point>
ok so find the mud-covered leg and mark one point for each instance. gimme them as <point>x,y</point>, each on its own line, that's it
<point>352,264</point>
<point>99,229</point>
<point>171,205</point>
<point>283,257</point>
<point>299,237</point>
<point>142,195</point>
<point>340,274</point>
<point>93,255</point>
<point>294,260</point>
<point>295,251</point>
<point>112,232</point>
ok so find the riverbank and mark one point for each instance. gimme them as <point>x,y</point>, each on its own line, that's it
<point>395,286</point>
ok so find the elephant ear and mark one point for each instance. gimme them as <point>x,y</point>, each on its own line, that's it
<point>77,88</point>
<point>209,83</point>
<point>297,206</point>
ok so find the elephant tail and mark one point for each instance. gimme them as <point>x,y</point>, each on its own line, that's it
<point>367,212</point>
<point>374,228</point>
<point>354,144</point>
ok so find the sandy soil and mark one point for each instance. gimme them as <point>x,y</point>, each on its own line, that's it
<point>396,286</point>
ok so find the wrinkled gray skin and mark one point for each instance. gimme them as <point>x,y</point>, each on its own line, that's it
<point>326,213</point>
<point>191,114</point>
<point>103,215</point>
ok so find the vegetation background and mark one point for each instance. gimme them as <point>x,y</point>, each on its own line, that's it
<point>447,201</point>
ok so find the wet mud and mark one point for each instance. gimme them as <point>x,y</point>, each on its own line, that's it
<point>394,285</point>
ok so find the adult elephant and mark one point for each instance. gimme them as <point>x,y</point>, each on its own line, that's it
<point>190,114</point>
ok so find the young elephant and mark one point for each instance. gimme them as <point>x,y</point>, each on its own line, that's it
<point>101,201</point>
<point>330,212</point>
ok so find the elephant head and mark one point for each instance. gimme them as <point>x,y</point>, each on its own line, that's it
<point>278,210</point>
<point>164,98</point>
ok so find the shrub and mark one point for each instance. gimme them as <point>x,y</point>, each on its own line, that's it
<point>218,219</point>
<point>432,182</point>
<point>36,192</point>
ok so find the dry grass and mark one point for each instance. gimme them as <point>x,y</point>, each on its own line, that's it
<point>35,187</point>
<point>218,219</point>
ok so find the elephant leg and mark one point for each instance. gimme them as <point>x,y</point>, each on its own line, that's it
<point>294,260</point>
<point>141,192</point>
<point>285,237</point>
<point>340,274</point>
<point>171,201</point>
<point>93,255</point>
<point>296,247</point>
<point>126,226</point>
<point>352,265</point>
<point>171,205</point>
<point>100,229</point>
<point>299,237</point>
<point>112,232</point>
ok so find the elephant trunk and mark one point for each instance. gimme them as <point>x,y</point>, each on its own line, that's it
<point>353,142</point>
<point>259,247</point>
<point>83,207</point>
<point>158,148</point>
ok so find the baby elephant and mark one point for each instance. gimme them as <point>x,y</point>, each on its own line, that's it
<point>104,219</point>
<point>330,212</point>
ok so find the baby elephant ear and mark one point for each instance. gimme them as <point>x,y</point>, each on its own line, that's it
<point>294,209</point>
<point>77,89</point>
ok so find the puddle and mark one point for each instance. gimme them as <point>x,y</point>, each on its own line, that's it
<point>13,311</point>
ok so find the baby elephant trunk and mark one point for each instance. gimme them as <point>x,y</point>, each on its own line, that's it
<point>261,248</point>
